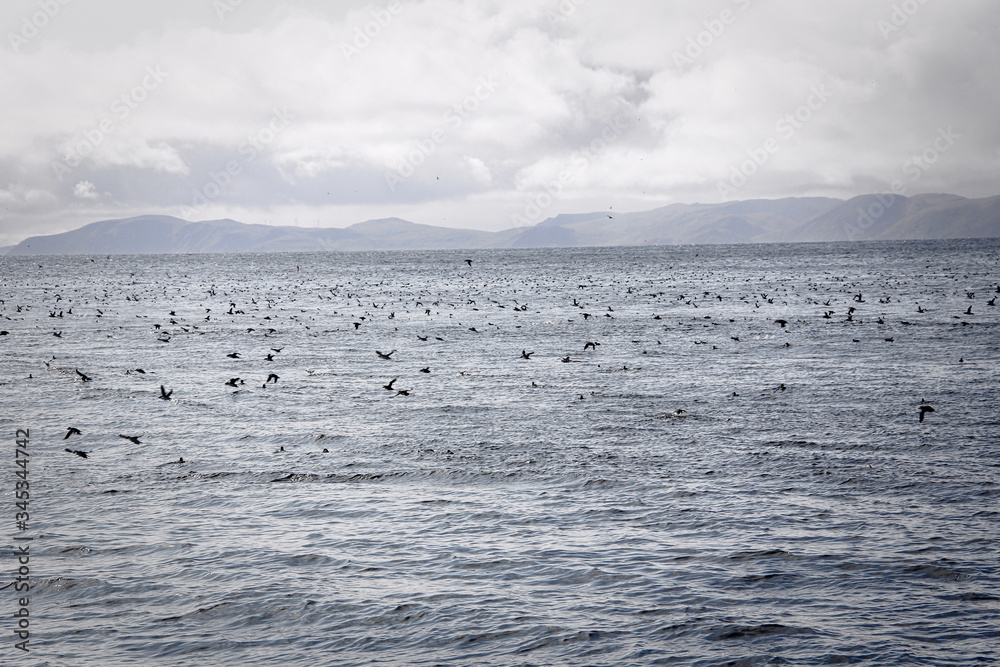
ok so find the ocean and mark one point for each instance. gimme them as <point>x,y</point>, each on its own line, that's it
<point>735,472</point>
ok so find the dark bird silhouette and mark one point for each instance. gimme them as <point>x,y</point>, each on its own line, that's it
<point>272,378</point>
<point>139,370</point>
<point>469,262</point>
<point>388,387</point>
<point>164,394</point>
<point>232,382</point>
<point>57,334</point>
<point>590,345</point>
<point>83,377</point>
<point>277,349</point>
<point>71,431</point>
<point>402,392</point>
<point>78,453</point>
<point>132,438</point>
<point>783,323</point>
<point>426,369</point>
<point>385,355</point>
<point>969,311</point>
<point>525,354</point>
<point>924,409</point>
<point>269,357</point>
<point>421,337</point>
<point>233,355</point>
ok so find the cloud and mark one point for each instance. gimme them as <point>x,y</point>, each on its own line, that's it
<point>85,190</point>
<point>150,107</point>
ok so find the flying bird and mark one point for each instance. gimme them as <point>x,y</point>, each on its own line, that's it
<point>164,394</point>
<point>78,453</point>
<point>132,438</point>
<point>83,377</point>
<point>385,355</point>
<point>924,409</point>
<point>72,431</point>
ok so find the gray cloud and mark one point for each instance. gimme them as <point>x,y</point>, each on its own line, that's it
<point>467,113</point>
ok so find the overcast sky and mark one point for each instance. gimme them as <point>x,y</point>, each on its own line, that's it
<point>484,114</point>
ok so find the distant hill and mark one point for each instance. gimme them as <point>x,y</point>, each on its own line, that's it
<point>796,219</point>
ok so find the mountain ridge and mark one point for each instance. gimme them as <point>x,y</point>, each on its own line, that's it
<point>793,219</point>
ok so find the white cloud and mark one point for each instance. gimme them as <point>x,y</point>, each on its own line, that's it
<point>85,190</point>
<point>553,83</point>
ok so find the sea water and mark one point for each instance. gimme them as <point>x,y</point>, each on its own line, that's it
<point>703,486</point>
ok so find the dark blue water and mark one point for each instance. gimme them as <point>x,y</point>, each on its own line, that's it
<point>704,487</point>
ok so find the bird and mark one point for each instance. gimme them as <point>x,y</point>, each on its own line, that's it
<point>469,262</point>
<point>388,387</point>
<point>232,382</point>
<point>783,323</point>
<point>233,355</point>
<point>83,376</point>
<point>78,453</point>
<point>384,355</point>
<point>525,354</point>
<point>402,392</point>
<point>272,378</point>
<point>426,369</point>
<point>590,345</point>
<point>72,431</point>
<point>164,394</point>
<point>132,438</point>
<point>924,409</point>
<point>269,357</point>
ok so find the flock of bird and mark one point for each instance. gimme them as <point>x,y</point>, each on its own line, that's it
<point>834,299</point>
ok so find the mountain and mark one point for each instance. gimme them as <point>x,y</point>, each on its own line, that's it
<point>796,219</point>
<point>753,221</point>
<point>149,234</point>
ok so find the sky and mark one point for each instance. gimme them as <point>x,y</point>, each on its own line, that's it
<point>483,114</point>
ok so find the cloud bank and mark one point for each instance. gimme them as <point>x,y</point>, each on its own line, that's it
<point>483,114</point>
